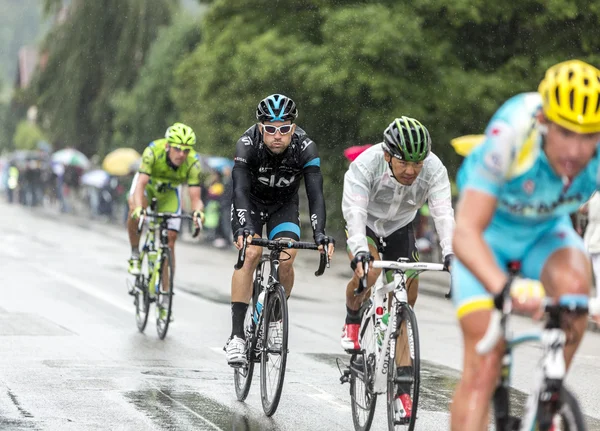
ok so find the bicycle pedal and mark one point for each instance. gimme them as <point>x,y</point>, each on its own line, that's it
<point>345,377</point>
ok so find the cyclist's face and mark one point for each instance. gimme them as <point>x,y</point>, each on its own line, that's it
<point>276,136</point>
<point>405,172</point>
<point>569,152</point>
<point>178,154</point>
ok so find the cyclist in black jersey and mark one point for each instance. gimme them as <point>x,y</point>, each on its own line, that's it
<point>271,158</point>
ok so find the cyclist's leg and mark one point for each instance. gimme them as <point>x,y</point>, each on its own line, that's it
<point>132,225</point>
<point>170,202</point>
<point>284,223</point>
<point>470,404</point>
<point>241,281</point>
<point>559,261</point>
<point>354,302</point>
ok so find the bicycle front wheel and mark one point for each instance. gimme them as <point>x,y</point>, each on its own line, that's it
<point>164,297</point>
<point>567,418</point>
<point>141,298</point>
<point>242,376</point>
<point>362,376</point>
<point>274,349</point>
<point>404,380</point>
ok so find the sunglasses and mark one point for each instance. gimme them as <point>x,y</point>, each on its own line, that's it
<point>271,130</point>
<point>180,149</point>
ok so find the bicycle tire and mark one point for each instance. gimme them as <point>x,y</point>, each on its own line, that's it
<point>570,417</point>
<point>242,376</point>
<point>141,296</point>
<point>274,300</point>
<point>367,338</point>
<point>162,325</point>
<point>407,315</point>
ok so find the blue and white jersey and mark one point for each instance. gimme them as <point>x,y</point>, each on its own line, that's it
<point>512,166</point>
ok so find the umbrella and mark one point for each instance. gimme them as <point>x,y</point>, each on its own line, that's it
<point>353,152</point>
<point>71,157</point>
<point>96,178</point>
<point>219,163</point>
<point>463,145</point>
<point>119,161</point>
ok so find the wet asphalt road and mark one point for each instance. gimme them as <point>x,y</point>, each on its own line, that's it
<point>74,360</point>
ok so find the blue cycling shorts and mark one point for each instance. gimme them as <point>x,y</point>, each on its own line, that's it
<point>529,244</point>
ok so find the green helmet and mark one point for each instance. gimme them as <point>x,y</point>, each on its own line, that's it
<point>407,139</point>
<point>180,134</point>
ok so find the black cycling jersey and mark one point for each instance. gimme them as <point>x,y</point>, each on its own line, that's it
<point>265,178</point>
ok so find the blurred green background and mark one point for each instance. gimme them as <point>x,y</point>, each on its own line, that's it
<point>113,73</point>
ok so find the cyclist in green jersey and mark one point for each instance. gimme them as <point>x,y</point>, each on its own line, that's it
<point>166,165</point>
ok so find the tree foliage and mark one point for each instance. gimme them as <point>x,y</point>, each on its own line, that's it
<point>27,136</point>
<point>96,52</point>
<point>144,112</point>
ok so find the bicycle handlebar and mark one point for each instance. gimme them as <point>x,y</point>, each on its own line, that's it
<point>398,266</point>
<point>167,216</point>
<point>566,303</point>
<point>280,245</point>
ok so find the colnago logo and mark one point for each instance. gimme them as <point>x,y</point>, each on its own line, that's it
<point>313,221</point>
<point>386,362</point>
<point>241,215</point>
<point>411,341</point>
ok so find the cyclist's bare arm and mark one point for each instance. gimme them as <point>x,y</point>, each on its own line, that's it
<point>474,213</point>
<point>138,194</point>
<point>196,198</point>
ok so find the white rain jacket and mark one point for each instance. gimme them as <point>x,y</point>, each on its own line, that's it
<point>372,197</point>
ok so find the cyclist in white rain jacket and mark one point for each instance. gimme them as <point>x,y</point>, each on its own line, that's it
<point>383,190</point>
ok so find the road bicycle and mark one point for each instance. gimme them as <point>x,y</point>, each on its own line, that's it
<point>266,323</point>
<point>154,284</point>
<point>372,370</point>
<point>550,404</point>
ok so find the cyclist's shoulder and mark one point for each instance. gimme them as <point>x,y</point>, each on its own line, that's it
<point>250,138</point>
<point>433,166</point>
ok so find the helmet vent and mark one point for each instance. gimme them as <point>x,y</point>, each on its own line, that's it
<point>571,99</point>
<point>557,96</point>
<point>598,103</point>
<point>585,102</point>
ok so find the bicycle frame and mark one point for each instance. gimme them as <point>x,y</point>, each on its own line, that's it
<point>549,377</point>
<point>379,297</point>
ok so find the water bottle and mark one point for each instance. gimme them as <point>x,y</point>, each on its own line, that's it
<point>259,307</point>
<point>383,324</point>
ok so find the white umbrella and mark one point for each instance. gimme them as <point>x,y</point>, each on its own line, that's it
<point>97,178</point>
<point>71,157</point>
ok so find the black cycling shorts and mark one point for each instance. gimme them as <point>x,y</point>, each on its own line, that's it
<point>399,244</point>
<point>282,219</point>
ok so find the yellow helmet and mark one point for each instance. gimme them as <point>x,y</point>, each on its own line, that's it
<point>571,96</point>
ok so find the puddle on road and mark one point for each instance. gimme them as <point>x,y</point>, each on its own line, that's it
<point>437,387</point>
<point>171,409</point>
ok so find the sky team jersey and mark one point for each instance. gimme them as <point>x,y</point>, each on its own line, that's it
<point>162,174</point>
<point>263,177</point>
<point>512,166</point>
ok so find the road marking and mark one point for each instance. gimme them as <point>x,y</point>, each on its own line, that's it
<point>94,291</point>
<point>198,415</point>
<point>327,397</point>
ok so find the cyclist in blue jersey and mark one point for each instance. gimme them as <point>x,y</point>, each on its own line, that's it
<point>539,162</point>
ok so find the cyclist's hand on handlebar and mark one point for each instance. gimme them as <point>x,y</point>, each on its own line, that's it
<point>241,234</point>
<point>323,240</point>
<point>527,296</point>
<point>138,212</point>
<point>357,263</point>
<point>198,218</point>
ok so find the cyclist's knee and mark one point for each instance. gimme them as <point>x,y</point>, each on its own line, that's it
<point>253,256</point>
<point>568,280</point>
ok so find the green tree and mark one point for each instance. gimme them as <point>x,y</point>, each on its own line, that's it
<point>136,127</point>
<point>97,51</point>
<point>27,135</point>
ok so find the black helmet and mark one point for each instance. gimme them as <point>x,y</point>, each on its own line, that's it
<point>407,139</point>
<point>276,107</point>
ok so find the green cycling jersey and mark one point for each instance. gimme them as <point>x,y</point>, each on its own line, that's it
<point>163,175</point>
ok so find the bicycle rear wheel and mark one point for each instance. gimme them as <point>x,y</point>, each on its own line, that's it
<point>242,376</point>
<point>407,383</point>
<point>362,375</point>
<point>164,296</point>
<point>568,417</point>
<point>274,348</point>
<point>141,298</point>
